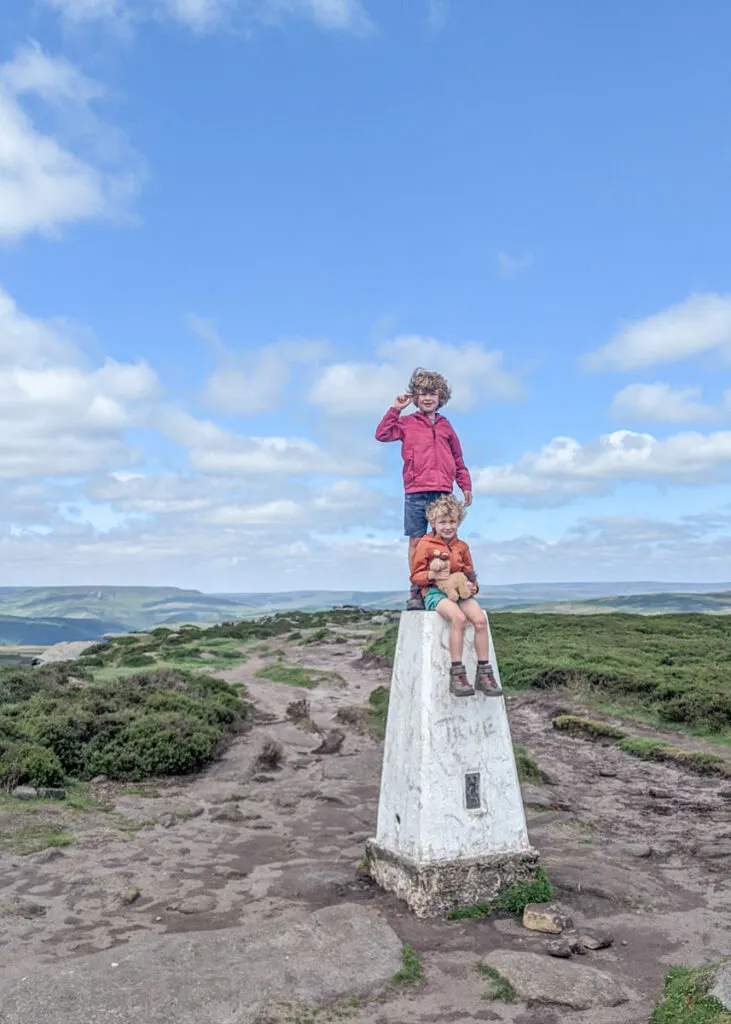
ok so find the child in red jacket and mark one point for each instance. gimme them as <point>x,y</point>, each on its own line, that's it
<point>431,452</point>
<point>445,515</point>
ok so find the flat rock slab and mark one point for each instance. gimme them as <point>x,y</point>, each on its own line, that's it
<point>213,977</point>
<point>721,987</point>
<point>67,650</point>
<point>542,979</point>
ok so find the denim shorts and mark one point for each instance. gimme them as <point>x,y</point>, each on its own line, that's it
<point>415,521</point>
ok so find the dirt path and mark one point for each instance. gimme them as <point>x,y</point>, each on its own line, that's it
<point>240,845</point>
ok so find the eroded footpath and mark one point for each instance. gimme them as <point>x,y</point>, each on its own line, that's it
<point>641,850</point>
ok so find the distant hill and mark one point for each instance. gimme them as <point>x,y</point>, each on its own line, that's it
<point>46,615</point>
<point>641,604</point>
<point>41,632</point>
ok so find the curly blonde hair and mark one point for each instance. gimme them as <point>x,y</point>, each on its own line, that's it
<point>446,505</point>
<point>429,380</point>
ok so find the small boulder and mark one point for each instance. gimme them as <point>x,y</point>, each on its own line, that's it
<point>332,743</point>
<point>639,850</point>
<point>559,948</point>
<point>540,979</point>
<point>715,851</point>
<point>590,939</point>
<point>52,793</point>
<point>546,917</point>
<point>200,904</point>
<point>571,936</point>
<point>24,793</point>
<point>129,895</point>
<point>46,856</point>
<point>226,812</point>
<point>540,798</point>
<point>99,779</point>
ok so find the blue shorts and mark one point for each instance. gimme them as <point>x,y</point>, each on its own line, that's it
<point>415,521</point>
<point>432,598</point>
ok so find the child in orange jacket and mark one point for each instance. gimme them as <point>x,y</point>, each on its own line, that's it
<point>444,515</point>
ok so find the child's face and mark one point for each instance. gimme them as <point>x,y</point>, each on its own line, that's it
<point>426,401</point>
<point>445,526</point>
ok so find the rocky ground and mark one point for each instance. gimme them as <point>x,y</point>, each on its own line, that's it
<point>637,849</point>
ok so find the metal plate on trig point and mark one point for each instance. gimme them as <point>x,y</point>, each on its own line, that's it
<point>472,791</point>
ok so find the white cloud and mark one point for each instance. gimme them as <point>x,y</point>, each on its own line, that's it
<point>511,266</point>
<point>661,402</point>
<point>343,15</point>
<point>214,451</point>
<point>700,324</point>
<point>241,556</point>
<point>437,15</point>
<point>45,184</point>
<point>59,415</point>
<point>205,15</point>
<point>254,382</point>
<point>564,468</point>
<point>475,374</point>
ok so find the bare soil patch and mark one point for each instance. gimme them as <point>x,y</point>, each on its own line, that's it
<point>247,842</point>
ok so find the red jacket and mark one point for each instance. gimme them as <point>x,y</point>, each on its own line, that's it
<point>460,560</point>
<point>431,452</point>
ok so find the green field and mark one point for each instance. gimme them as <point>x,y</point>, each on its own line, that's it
<point>672,670</point>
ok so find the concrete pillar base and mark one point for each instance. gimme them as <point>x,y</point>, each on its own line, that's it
<point>433,889</point>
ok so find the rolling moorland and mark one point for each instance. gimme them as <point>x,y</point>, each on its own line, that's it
<point>224,778</point>
<point>47,615</point>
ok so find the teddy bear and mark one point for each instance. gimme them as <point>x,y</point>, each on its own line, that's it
<point>457,585</point>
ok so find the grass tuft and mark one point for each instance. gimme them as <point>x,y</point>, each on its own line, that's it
<point>513,899</point>
<point>646,748</point>
<point>575,725</point>
<point>686,999</point>
<point>412,969</point>
<point>284,672</point>
<point>528,769</point>
<point>500,991</point>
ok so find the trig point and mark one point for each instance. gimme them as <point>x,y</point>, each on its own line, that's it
<point>451,826</point>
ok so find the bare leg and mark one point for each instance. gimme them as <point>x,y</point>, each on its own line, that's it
<point>453,614</point>
<point>476,616</point>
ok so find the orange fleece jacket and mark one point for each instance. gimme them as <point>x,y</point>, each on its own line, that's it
<point>460,560</point>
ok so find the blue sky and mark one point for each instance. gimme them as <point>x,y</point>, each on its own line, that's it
<point>229,229</point>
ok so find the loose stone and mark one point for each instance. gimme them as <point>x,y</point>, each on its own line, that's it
<point>546,917</point>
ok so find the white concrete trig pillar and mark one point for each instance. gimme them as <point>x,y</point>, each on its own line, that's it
<point>451,826</point>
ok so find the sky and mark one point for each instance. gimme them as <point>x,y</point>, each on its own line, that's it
<point>230,229</point>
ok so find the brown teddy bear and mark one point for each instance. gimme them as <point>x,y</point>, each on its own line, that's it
<point>457,586</point>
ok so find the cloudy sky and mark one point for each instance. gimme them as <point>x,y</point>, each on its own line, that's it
<point>229,229</point>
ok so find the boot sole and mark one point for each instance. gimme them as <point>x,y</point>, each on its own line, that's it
<point>462,693</point>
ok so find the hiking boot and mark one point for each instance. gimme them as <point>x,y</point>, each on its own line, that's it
<point>458,682</point>
<point>486,682</point>
<point>415,603</point>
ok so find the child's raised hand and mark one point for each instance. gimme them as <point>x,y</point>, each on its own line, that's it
<point>400,402</point>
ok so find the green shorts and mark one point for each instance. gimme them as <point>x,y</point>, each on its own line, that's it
<point>432,598</point>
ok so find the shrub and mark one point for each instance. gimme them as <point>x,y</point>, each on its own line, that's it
<point>271,754</point>
<point>163,722</point>
<point>137,661</point>
<point>157,743</point>
<point>25,763</point>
